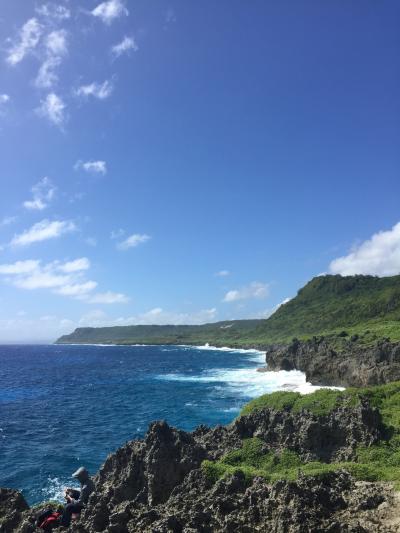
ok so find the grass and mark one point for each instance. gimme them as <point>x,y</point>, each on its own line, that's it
<point>380,462</point>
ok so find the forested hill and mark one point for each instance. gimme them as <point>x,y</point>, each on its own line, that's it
<point>366,306</point>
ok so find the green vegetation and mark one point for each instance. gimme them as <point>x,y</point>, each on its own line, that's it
<point>351,309</point>
<point>380,462</point>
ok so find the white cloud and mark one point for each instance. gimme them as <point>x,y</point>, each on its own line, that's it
<point>42,231</point>
<point>41,279</point>
<point>93,167</point>
<point>222,273</point>
<point>43,192</point>
<point>255,290</point>
<point>62,278</point>
<point>127,43</point>
<point>101,91</point>
<point>108,297</point>
<point>110,10</point>
<point>53,109</point>
<point>133,241</point>
<point>77,290</point>
<point>378,256</point>
<point>53,11</point>
<point>28,39</point>
<point>56,49</point>
<point>155,316</point>
<point>20,267</point>
<point>77,265</point>
<point>4,98</point>
<point>56,43</point>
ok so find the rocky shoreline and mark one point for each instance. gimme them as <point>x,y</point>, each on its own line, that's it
<point>159,484</point>
<point>351,366</point>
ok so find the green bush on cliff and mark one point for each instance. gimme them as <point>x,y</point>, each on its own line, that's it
<point>380,462</point>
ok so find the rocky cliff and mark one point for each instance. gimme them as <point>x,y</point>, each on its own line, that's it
<point>170,481</point>
<point>351,365</point>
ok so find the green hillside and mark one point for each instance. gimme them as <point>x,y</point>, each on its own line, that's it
<point>339,306</point>
<point>363,305</point>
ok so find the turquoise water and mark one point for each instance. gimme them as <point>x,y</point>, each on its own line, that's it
<point>66,406</point>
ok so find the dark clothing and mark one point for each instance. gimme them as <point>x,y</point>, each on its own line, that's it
<point>69,509</point>
<point>80,498</point>
<point>86,490</point>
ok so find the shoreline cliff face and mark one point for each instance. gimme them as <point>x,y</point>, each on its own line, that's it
<point>222,479</point>
<point>351,366</point>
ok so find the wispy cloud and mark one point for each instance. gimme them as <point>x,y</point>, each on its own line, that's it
<point>43,192</point>
<point>56,48</point>
<point>53,109</point>
<point>27,40</point>
<point>6,221</point>
<point>155,316</point>
<point>222,273</point>
<point>54,12</point>
<point>378,256</point>
<point>133,241</point>
<point>110,10</point>
<point>101,91</point>
<point>42,231</point>
<point>127,44</point>
<point>108,297</point>
<point>93,167</point>
<point>255,290</point>
<point>77,265</point>
<point>4,99</point>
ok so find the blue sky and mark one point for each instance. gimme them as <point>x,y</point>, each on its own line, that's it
<point>191,161</point>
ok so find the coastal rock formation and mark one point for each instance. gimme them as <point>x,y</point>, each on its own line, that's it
<point>158,484</point>
<point>354,365</point>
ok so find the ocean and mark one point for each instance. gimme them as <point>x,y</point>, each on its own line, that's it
<point>66,406</point>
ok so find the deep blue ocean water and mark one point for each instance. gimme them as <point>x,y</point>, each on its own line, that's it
<point>66,406</point>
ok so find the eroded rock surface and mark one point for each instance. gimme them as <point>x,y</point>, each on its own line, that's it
<point>354,365</point>
<point>157,484</point>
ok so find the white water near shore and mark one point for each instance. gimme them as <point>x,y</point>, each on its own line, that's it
<point>247,382</point>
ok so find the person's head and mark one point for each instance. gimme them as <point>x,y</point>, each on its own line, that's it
<point>81,474</point>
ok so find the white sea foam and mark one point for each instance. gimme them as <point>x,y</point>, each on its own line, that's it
<point>54,489</point>
<point>247,382</point>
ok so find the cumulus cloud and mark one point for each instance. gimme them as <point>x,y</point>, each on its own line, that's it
<point>133,241</point>
<point>27,40</point>
<point>255,290</point>
<point>110,10</point>
<point>222,273</point>
<point>42,231</point>
<point>77,265</point>
<point>20,267</point>
<point>53,109</point>
<point>54,12</point>
<point>101,91</point>
<point>93,167</point>
<point>378,256</point>
<point>127,44</point>
<point>77,290</point>
<point>43,192</point>
<point>62,278</point>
